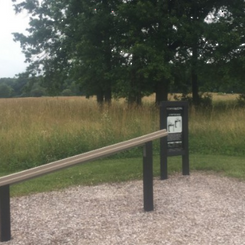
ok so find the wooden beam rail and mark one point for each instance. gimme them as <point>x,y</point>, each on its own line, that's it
<point>145,140</point>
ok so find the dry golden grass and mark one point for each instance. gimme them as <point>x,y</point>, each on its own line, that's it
<point>224,97</point>
<point>42,129</point>
<point>42,116</point>
<point>216,97</point>
<point>34,130</point>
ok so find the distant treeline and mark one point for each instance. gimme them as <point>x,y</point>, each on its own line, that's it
<point>32,87</point>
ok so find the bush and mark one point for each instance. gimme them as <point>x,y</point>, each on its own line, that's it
<point>5,91</point>
<point>66,92</point>
<point>37,92</point>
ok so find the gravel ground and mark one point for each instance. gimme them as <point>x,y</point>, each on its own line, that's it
<point>197,209</point>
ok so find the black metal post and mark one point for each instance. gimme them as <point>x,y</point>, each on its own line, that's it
<point>163,147</point>
<point>5,232</point>
<point>185,156</point>
<point>185,165</point>
<point>148,177</point>
<point>163,158</point>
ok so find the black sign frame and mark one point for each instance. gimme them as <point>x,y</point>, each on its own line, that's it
<point>174,118</point>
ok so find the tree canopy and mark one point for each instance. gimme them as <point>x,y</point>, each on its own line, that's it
<point>132,48</point>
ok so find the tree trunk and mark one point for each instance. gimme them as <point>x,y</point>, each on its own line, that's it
<point>162,88</point>
<point>195,92</point>
<point>135,94</point>
<point>194,76</point>
<point>108,96</point>
<point>100,97</point>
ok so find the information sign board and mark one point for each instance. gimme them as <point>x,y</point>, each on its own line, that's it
<point>174,118</point>
<point>174,128</point>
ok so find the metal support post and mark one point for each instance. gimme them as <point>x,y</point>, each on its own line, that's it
<point>148,177</point>
<point>163,158</point>
<point>5,233</point>
<point>185,165</point>
<point>185,156</point>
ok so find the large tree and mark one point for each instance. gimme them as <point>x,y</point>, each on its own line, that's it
<point>228,56</point>
<point>71,38</point>
<point>46,46</point>
<point>149,44</point>
<point>94,41</point>
<point>209,35</point>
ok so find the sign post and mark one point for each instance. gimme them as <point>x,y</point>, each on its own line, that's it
<point>174,118</point>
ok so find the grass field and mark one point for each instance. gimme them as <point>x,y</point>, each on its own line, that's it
<point>125,169</point>
<point>35,131</point>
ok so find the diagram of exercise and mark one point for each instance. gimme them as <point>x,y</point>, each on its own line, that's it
<point>174,124</point>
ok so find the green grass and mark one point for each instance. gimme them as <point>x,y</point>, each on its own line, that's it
<point>229,166</point>
<point>35,131</point>
<point>119,170</point>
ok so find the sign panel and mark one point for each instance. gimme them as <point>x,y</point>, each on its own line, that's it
<point>175,128</point>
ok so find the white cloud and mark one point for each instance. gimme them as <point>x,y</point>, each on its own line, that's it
<point>11,57</point>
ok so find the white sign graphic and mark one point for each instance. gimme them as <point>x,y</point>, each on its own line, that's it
<point>174,124</point>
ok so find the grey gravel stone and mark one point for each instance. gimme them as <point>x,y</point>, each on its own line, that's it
<point>197,209</point>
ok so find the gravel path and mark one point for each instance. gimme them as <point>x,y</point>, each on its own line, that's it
<point>197,209</point>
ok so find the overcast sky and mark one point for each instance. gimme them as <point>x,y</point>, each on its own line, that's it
<point>11,57</point>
